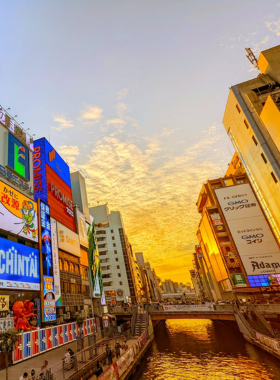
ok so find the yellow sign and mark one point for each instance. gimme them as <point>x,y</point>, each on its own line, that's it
<point>18,213</point>
<point>4,303</point>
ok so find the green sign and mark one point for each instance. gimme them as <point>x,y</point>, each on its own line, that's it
<point>94,264</point>
<point>239,279</point>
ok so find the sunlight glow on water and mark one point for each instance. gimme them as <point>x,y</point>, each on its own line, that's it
<point>199,349</point>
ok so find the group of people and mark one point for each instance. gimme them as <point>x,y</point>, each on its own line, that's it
<point>26,376</point>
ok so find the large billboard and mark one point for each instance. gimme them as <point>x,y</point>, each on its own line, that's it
<point>94,264</point>
<point>56,271</point>
<point>68,240</point>
<point>82,228</point>
<point>19,266</point>
<point>18,213</point>
<point>52,182</point>
<point>249,228</point>
<point>18,157</point>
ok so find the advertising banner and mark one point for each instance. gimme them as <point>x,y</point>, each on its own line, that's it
<point>94,264</point>
<point>251,233</point>
<point>46,239</point>
<point>6,324</point>
<point>18,157</point>
<point>239,280</point>
<point>18,213</point>
<point>52,182</point>
<point>68,240</point>
<point>19,266</point>
<point>49,299</point>
<point>179,308</point>
<point>56,272</point>
<point>82,228</point>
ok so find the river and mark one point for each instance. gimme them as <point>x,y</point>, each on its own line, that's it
<point>201,349</point>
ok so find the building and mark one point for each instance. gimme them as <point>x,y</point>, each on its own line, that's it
<point>239,252</point>
<point>252,119</point>
<point>116,256</point>
<point>169,286</point>
<point>150,281</point>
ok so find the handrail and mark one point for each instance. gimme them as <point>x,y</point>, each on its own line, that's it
<point>262,319</point>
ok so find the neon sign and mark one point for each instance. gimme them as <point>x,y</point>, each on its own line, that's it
<point>18,157</point>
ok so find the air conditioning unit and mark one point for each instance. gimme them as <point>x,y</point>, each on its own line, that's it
<point>68,315</point>
<point>60,312</point>
<point>60,319</point>
<point>67,308</point>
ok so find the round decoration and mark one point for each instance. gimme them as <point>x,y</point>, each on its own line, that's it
<point>119,293</point>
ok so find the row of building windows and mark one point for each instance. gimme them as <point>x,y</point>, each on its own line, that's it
<point>68,266</point>
<point>256,143</point>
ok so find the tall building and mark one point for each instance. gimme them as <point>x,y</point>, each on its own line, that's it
<point>252,119</point>
<point>169,286</point>
<point>116,256</point>
<point>239,252</point>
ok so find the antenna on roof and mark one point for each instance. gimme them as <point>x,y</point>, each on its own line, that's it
<point>252,58</point>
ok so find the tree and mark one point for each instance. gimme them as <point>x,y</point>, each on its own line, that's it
<point>8,339</point>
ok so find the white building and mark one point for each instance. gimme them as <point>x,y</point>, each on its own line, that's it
<point>115,255</point>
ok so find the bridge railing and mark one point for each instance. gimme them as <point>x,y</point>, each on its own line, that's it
<point>191,308</point>
<point>268,309</point>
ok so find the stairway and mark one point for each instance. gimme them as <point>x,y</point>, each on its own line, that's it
<point>140,324</point>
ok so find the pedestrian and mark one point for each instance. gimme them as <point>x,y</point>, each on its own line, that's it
<point>45,365</point>
<point>118,350</point>
<point>109,354</point>
<point>99,369</point>
<point>71,353</point>
<point>24,376</point>
<point>33,374</point>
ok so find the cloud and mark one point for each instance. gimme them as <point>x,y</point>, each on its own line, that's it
<point>156,194</point>
<point>167,132</point>
<point>258,46</point>
<point>274,26</point>
<point>115,122</point>
<point>121,94</point>
<point>69,154</point>
<point>121,107</point>
<point>91,115</point>
<point>63,123</point>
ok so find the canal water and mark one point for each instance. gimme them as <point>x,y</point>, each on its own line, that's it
<point>201,349</point>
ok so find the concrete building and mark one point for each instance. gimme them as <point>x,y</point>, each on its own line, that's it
<point>252,119</point>
<point>116,256</point>
<point>169,286</point>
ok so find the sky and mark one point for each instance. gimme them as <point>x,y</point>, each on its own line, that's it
<point>132,93</point>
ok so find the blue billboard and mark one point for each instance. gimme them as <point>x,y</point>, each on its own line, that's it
<point>46,239</point>
<point>18,157</point>
<point>19,266</point>
<point>44,154</point>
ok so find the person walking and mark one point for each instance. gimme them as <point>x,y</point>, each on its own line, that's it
<point>118,350</point>
<point>24,376</point>
<point>109,354</point>
<point>99,369</point>
<point>33,374</point>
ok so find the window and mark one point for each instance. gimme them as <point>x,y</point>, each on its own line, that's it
<point>115,252</point>
<point>238,108</point>
<point>114,244</point>
<point>118,267</point>
<point>66,266</point>
<point>71,267</point>
<point>77,269</point>
<point>274,178</point>
<point>264,158</point>
<point>119,275</point>
<point>117,259</point>
<point>120,283</point>
<point>60,264</point>
<point>113,237</point>
<point>112,231</point>
<point>247,125</point>
<point>254,139</point>
<point>228,182</point>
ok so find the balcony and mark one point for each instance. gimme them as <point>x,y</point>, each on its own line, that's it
<point>107,284</point>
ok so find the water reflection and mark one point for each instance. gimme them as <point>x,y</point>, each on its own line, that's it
<point>201,349</point>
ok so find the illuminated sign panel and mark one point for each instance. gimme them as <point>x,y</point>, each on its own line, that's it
<point>49,299</point>
<point>19,266</point>
<point>56,272</point>
<point>68,240</point>
<point>18,157</point>
<point>250,230</point>
<point>46,239</point>
<point>18,213</point>
<point>82,228</point>
<point>52,182</point>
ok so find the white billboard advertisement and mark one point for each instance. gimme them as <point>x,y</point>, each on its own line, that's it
<point>56,272</point>
<point>250,230</point>
<point>68,240</point>
<point>82,228</point>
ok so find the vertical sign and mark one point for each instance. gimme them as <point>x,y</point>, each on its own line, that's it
<point>56,272</point>
<point>49,299</point>
<point>49,310</point>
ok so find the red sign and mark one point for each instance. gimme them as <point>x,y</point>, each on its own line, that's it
<point>60,199</point>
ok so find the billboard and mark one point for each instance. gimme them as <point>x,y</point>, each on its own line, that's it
<point>18,213</point>
<point>56,272</point>
<point>82,228</point>
<point>68,240</point>
<point>250,230</point>
<point>19,266</point>
<point>94,264</point>
<point>49,299</point>
<point>52,182</point>
<point>46,239</point>
<point>18,157</point>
